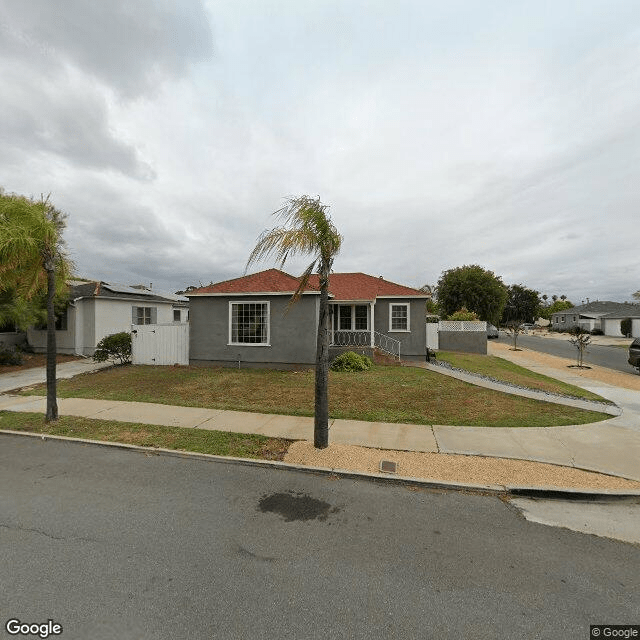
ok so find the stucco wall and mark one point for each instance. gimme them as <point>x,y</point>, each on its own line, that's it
<point>414,343</point>
<point>292,339</point>
<point>65,340</point>
<point>11,338</point>
<point>464,341</point>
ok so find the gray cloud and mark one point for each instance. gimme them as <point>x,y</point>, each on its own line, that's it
<point>131,47</point>
<point>441,134</point>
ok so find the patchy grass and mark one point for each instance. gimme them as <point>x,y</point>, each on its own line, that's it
<point>240,445</point>
<point>382,394</point>
<point>502,369</point>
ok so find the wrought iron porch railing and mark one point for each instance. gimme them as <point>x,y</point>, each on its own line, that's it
<point>381,341</point>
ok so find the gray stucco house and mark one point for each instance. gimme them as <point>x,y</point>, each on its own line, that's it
<point>246,321</point>
<point>603,315</point>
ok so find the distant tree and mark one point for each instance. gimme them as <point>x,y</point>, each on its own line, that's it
<point>432,307</point>
<point>308,229</point>
<point>558,305</point>
<point>581,340</point>
<point>474,288</point>
<point>32,261</point>
<point>563,297</point>
<point>554,297</point>
<point>523,305</point>
<point>514,330</point>
<point>545,297</point>
<point>636,295</point>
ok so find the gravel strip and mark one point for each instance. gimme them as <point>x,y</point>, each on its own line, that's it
<point>549,394</point>
<point>453,468</point>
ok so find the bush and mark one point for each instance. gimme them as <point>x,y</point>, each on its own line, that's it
<point>463,314</point>
<point>116,346</point>
<point>350,361</point>
<point>10,357</point>
<point>625,327</point>
<point>597,332</point>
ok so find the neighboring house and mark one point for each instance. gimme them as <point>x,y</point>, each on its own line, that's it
<point>248,321</point>
<point>98,309</point>
<point>602,315</point>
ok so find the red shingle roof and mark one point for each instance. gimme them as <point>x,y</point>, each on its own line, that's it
<point>343,286</point>
<point>269,281</point>
<point>360,286</point>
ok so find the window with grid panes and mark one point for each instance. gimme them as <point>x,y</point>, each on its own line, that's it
<point>249,323</point>
<point>399,317</point>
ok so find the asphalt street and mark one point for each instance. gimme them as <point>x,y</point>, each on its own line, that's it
<point>601,355</point>
<point>111,543</point>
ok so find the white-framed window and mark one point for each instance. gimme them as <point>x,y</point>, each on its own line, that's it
<point>399,316</point>
<point>249,323</point>
<point>176,315</point>
<point>562,318</point>
<point>144,315</point>
<point>351,317</point>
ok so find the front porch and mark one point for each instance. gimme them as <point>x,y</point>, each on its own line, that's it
<point>351,329</point>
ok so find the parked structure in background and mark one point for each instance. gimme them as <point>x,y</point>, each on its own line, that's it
<point>248,321</point>
<point>97,309</point>
<point>599,315</point>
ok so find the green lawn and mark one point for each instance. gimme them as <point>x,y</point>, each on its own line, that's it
<point>502,369</point>
<point>240,445</point>
<point>385,394</point>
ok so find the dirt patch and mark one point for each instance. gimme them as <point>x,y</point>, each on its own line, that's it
<point>533,359</point>
<point>35,360</point>
<point>453,468</point>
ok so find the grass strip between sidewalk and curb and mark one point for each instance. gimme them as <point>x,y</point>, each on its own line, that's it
<point>382,394</point>
<point>222,443</point>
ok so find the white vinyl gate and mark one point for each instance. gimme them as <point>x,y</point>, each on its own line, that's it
<point>432,335</point>
<point>165,344</point>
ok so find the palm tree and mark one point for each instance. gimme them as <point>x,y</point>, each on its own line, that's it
<point>33,260</point>
<point>307,229</point>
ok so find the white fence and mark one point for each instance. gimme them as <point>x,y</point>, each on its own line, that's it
<point>161,344</point>
<point>462,325</point>
<point>432,335</point>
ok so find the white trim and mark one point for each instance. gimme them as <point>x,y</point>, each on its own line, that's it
<point>401,296</point>
<point>249,344</point>
<point>353,316</point>
<point>400,304</point>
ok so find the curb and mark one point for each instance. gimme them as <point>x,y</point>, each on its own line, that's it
<point>497,490</point>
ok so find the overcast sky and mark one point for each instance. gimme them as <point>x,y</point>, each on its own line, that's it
<point>503,133</point>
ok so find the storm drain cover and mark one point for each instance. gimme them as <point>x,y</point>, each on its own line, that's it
<point>387,466</point>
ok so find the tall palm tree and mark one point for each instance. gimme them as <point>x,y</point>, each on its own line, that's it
<point>306,228</point>
<point>33,260</point>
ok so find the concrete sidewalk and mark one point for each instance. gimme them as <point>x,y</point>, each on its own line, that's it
<point>604,446</point>
<point>38,375</point>
<point>611,447</point>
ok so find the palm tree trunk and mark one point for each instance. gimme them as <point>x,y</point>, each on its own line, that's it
<point>321,421</point>
<point>52,405</point>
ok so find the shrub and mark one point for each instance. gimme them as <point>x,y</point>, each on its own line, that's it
<point>463,314</point>
<point>116,346</point>
<point>597,332</point>
<point>350,361</point>
<point>625,327</point>
<point>10,357</point>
